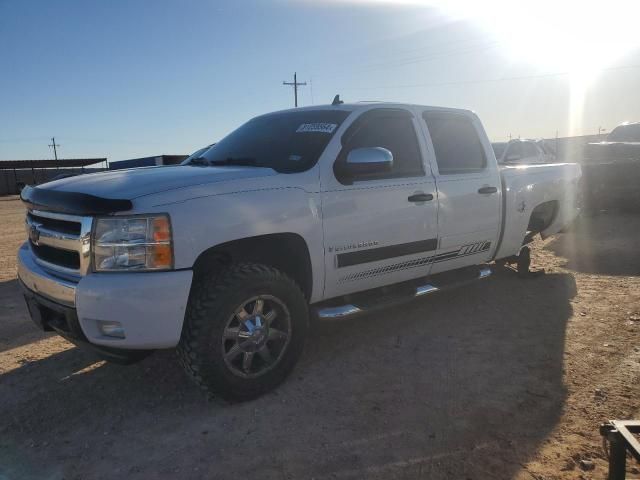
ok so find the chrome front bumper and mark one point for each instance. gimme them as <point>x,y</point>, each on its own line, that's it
<point>38,280</point>
<point>150,307</point>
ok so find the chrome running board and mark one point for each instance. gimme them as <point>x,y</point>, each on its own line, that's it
<point>354,308</point>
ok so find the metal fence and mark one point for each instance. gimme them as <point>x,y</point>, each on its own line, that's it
<point>15,174</point>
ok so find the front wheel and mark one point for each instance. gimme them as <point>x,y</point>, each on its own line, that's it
<point>244,331</point>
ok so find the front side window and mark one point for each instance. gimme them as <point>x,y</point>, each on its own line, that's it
<point>514,152</point>
<point>456,143</point>
<point>390,129</point>
<point>287,142</point>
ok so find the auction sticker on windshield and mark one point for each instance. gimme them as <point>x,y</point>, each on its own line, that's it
<point>317,128</point>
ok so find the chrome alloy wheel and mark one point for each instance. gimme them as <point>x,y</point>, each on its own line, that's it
<point>256,336</point>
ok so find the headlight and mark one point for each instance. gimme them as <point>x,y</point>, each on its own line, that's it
<point>132,243</point>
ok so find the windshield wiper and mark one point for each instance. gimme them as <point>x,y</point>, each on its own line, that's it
<point>199,161</point>
<point>240,161</point>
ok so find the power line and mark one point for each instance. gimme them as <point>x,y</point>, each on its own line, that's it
<point>488,80</point>
<point>54,145</point>
<point>434,51</point>
<point>295,85</point>
<point>428,57</point>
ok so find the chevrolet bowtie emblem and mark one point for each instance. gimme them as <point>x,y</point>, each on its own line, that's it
<point>34,233</point>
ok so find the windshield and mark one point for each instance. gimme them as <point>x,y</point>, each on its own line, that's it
<point>625,133</point>
<point>287,142</point>
<point>498,149</point>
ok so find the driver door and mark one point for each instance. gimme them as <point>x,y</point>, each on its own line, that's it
<point>378,227</point>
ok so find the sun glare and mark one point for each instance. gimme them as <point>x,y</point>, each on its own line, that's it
<point>575,38</point>
<point>572,36</point>
<point>579,38</point>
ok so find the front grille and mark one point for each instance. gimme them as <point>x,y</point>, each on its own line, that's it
<point>64,226</point>
<point>57,256</point>
<point>60,242</point>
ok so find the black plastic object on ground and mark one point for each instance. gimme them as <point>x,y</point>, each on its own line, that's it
<point>620,435</point>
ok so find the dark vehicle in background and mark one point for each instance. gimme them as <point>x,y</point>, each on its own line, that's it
<point>611,170</point>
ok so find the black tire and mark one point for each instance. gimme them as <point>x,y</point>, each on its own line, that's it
<point>213,303</point>
<point>524,262</point>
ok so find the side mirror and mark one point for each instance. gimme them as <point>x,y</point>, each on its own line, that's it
<point>366,161</point>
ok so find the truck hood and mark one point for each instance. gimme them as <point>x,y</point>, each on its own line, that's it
<point>110,192</point>
<point>136,182</point>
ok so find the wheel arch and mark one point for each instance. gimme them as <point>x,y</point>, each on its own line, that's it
<point>542,216</point>
<point>287,252</point>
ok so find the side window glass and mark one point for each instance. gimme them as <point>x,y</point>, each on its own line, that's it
<point>393,131</point>
<point>514,152</point>
<point>456,143</point>
<point>529,149</point>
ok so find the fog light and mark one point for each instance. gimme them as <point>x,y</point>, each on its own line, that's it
<point>111,329</point>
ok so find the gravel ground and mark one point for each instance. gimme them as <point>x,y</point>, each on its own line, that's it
<point>503,379</point>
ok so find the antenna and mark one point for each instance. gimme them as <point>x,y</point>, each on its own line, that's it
<point>336,100</point>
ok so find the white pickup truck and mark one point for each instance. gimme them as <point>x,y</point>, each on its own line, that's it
<point>299,213</point>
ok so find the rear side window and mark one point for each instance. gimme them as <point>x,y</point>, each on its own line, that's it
<point>392,130</point>
<point>456,143</point>
<point>543,147</point>
<point>529,149</point>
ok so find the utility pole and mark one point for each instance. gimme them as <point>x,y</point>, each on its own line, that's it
<point>54,145</point>
<point>295,85</point>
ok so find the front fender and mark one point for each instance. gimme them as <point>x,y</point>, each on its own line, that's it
<point>201,223</point>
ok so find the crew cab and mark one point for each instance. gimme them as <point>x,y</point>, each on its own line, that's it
<point>326,211</point>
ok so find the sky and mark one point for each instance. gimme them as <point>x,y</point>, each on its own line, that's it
<point>124,79</point>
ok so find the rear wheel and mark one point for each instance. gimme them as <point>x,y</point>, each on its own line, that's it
<point>524,261</point>
<point>244,331</point>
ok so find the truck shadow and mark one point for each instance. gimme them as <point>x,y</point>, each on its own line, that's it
<point>465,384</point>
<point>601,243</point>
<point>16,328</point>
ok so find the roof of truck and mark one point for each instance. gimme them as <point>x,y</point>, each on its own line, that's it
<point>369,104</point>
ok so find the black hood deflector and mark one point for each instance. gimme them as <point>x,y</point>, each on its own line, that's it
<point>72,203</point>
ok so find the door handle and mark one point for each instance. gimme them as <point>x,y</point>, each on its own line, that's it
<point>420,197</point>
<point>485,190</point>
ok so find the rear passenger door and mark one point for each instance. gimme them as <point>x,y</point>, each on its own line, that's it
<point>377,231</point>
<point>469,189</point>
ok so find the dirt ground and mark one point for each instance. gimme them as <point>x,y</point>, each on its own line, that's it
<point>504,379</point>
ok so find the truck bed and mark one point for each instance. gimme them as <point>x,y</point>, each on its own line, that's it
<point>526,187</point>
